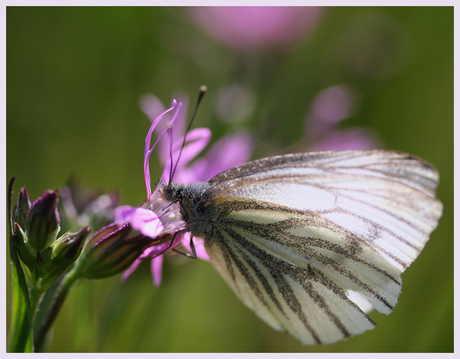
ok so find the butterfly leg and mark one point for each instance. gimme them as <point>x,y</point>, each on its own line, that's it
<point>192,246</point>
<point>170,247</point>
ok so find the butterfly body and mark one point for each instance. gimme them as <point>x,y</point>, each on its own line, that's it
<point>294,236</point>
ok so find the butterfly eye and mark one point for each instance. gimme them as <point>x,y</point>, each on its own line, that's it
<point>172,192</point>
<point>168,193</point>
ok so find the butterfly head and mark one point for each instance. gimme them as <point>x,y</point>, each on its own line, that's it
<point>172,192</point>
<point>190,194</point>
<point>191,198</point>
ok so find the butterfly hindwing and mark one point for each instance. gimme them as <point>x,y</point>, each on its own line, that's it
<point>298,298</point>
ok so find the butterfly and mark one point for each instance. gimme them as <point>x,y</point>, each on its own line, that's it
<point>298,236</point>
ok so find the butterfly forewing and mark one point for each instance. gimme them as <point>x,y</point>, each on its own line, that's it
<point>400,166</point>
<point>385,197</point>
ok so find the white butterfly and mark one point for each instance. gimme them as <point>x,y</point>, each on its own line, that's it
<point>297,236</point>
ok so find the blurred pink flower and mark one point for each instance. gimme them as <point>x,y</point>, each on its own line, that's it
<point>330,107</point>
<point>352,139</point>
<point>250,28</point>
<point>157,217</point>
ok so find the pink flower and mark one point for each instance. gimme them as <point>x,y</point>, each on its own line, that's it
<point>156,217</point>
<point>330,107</point>
<point>230,151</point>
<point>250,28</point>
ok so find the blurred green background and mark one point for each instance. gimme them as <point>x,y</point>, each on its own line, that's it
<point>74,79</point>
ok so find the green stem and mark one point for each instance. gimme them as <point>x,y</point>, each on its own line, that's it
<point>20,340</point>
<point>52,310</point>
<point>35,297</point>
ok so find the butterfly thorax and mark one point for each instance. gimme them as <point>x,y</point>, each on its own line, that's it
<point>192,201</point>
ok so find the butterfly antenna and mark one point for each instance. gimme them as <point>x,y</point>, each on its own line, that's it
<point>200,97</point>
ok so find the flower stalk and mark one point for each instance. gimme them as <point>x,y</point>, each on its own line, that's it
<point>52,309</point>
<point>45,266</point>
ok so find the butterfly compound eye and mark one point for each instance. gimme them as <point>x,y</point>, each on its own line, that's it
<point>168,193</point>
<point>171,192</point>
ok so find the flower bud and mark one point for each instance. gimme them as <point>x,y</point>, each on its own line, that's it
<point>55,260</point>
<point>70,244</point>
<point>93,208</point>
<point>20,242</point>
<point>21,208</point>
<point>111,250</point>
<point>42,223</point>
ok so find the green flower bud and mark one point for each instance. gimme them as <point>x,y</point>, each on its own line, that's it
<point>111,250</point>
<point>21,208</point>
<point>70,244</point>
<point>33,236</point>
<point>42,224</point>
<point>55,260</point>
<point>20,241</point>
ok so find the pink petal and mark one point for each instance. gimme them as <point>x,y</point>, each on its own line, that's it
<point>130,270</point>
<point>148,138</point>
<point>334,103</point>
<point>200,250</point>
<point>150,252</point>
<point>185,175</point>
<point>123,214</point>
<point>354,139</point>
<point>330,106</point>
<point>153,107</point>
<point>178,128</point>
<point>198,244</point>
<point>228,152</point>
<point>147,222</point>
<point>249,28</point>
<point>156,267</point>
<point>196,141</point>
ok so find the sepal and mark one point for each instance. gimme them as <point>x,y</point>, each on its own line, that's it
<point>111,250</point>
<point>55,260</point>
